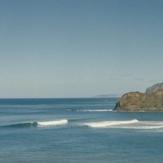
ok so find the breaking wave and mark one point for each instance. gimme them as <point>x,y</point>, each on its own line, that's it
<point>127,124</point>
<point>52,123</point>
<point>39,124</point>
<point>103,124</point>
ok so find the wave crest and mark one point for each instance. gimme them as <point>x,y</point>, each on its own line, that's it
<point>52,123</point>
<point>128,124</point>
<point>109,123</point>
<point>39,124</point>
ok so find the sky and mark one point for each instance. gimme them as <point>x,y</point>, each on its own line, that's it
<point>79,48</point>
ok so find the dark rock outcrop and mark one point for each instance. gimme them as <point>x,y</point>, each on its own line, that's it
<point>151,100</point>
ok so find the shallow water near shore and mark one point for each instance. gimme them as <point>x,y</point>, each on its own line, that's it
<point>77,131</point>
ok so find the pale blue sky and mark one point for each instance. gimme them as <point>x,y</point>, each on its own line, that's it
<point>77,48</point>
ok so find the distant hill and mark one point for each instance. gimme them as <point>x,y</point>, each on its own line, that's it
<point>106,96</point>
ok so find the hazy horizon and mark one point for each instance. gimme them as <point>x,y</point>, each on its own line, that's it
<point>79,48</point>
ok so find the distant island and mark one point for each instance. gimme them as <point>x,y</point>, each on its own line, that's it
<point>151,100</point>
<point>106,96</point>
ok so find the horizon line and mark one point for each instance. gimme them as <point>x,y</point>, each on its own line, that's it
<point>3,98</point>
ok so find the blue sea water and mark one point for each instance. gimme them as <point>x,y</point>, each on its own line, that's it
<point>77,131</point>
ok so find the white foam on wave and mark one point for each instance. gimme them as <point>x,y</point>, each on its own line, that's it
<point>104,124</point>
<point>95,110</point>
<point>147,125</point>
<point>143,127</point>
<point>52,123</point>
<point>130,124</point>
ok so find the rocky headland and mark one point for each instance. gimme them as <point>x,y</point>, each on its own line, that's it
<point>151,100</point>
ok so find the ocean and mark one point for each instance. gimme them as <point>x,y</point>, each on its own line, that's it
<point>76,131</point>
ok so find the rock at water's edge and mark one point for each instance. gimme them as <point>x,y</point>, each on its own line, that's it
<point>151,100</point>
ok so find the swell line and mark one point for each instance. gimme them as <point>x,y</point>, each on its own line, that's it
<point>38,124</point>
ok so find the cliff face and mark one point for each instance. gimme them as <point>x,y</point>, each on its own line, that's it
<point>151,100</point>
